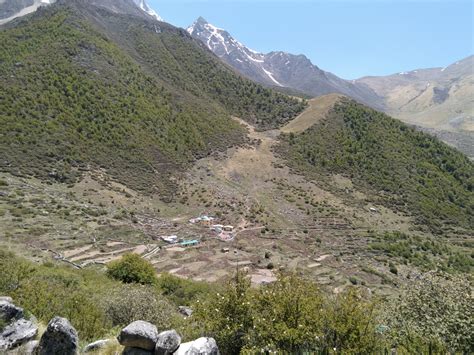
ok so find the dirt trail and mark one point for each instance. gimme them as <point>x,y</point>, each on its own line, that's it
<point>253,163</point>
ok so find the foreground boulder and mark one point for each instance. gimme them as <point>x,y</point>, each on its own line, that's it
<point>8,311</point>
<point>26,349</point>
<point>167,343</point>
<point>17,330</point>
<point>201,346</point>
<point>60,338</point>
<point>17,333</point>
<point>139,334</point>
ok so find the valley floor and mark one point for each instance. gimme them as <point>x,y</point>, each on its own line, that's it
<point>281,220</point>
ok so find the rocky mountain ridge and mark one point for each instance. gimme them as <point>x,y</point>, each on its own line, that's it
<point>278,69</point>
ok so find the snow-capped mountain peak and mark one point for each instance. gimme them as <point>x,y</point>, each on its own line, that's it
<point>146,8</point>
<point>232,51</point>
<point>275,68</point>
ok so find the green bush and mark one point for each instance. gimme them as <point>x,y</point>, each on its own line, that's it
<point>289,316</point>
<point>350,324</point>
<point>132,268</point>
<point>285,316</point>
<point>434,311</point>
<point>129,303</point>
<point>227,316</point>
<point>183,292</point>
<point>424,252</point>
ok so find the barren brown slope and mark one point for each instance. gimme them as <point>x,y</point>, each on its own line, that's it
<point>318,108</point>
<point>438,98</point>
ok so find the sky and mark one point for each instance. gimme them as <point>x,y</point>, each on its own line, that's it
<point>351,38</point>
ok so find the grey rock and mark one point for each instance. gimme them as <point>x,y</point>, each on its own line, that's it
<point>136,351</point>
<point>17,333</point>
<point>30,347</point>
<point>8,311</point>
<point>201,346</point>
<point>139,334</point>
<point>26,349</point>
<point>60,338</point>
<point>185,311</point>
<point>167,343</point>
<point>96,345</point>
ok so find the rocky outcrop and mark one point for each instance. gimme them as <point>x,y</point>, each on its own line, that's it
<point>8,311</point>
<point>139,334</point>
<point>201,346</point>
<point>17,333</point>
<point>60,338</point>
<point>17,330</point>
<point>168,342</point>
<point>142,338</point>
<point>185,311</point>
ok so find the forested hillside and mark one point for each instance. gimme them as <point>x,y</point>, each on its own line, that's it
<point>402,168</point>
<point>76,94</point>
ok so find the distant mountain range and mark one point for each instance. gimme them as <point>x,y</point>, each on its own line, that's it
<point>439,98</point>
<point>279,69</point>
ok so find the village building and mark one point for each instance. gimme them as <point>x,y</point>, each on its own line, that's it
<point>202,220</point>
<point>217,228</point>
<point>228,228</point>
<point>171,239</point>
<point>189,243</point>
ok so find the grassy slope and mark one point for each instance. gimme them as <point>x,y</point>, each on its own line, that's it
<point>404,169</point>
<point>73,98</point>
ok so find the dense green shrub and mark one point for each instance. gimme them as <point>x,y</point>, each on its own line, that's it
<point>132,268</point>
<point>47,291</point>
<point>227,315</point>
<point>424,252</point>
<point>129,303</point>
<point>434,311</point>
<point>350,324</point>
<point>183,292</point>
<point>288,316</point>
<point>285,316</point>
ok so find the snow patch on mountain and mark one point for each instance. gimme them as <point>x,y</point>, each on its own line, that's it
<point>146,8</point>
<point>229,49</point>
<point>27,10</point>
<point>270,75</point>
